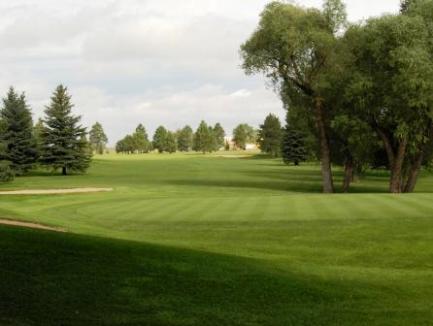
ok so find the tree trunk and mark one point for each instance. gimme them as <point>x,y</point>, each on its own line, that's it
<point>395,185</point>
<point>414,173</point>
<point>64,171</point>
<point>325,152</point>
<point>348,175</point>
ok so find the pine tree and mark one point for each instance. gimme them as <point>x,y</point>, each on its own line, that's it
<point>203,139</point>
<point>141,140</point>
<point>170,145</point>
<point>159,139</point>
<point>20,148</point>
<point>270,136</point>
<point>65,145</point>
<point>185,139</point>
<point>97,138</point>
<point>219,135</point>
<point>293,147</point>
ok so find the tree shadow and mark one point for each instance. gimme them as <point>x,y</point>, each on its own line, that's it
<point>64,279</point>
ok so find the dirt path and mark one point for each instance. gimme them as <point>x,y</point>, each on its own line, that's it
<point>31,225</point>
<point>55,191</point>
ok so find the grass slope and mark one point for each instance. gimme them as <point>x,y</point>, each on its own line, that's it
<point>206,240</point>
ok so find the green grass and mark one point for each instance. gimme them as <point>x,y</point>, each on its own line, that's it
<point>189,239</point>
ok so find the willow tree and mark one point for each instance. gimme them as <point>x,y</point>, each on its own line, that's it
<point>295,48</point>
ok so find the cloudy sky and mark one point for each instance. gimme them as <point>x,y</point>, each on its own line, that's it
<point>157,62</point>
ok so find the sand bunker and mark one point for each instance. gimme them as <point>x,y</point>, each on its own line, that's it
<point>55,191</point>
<point>31,225</point>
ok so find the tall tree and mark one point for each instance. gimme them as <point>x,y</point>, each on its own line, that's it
<point>219,135</point>
<point>18,138</point>
<point>294,47</point>
<point>160,139</point>
<point>270,136</point>
<point>64,140</point>
<point>141,140</point>
<point>204,139</point>
<point>293,146</point>
<point>185,139</point>
<point>98,139</point>
<point>242,135</point>
<point>170,145</point>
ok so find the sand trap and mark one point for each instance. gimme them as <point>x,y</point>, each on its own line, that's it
<point>55,191</point>
<point>31,225</point>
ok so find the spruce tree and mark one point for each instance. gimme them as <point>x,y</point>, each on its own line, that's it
<point>270,136</point>
<point>20,148</point>
<point>97,138</point>
<point>159,139</point>
<point>293,147</point>
<point>185,139</point>
<point>65,145</point>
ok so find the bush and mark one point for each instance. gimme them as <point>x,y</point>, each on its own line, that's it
<point>6,173</point>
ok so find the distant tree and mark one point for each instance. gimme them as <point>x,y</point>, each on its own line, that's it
<point>242,135</point>
<point>160,139</point>
<point>98,139</point>
<point>185,139</point>
<point>293,147</point>
<point>64,140</point>
<point>270,135</point>
<point>170,145</point>
<point>38,130</point>
<point>226,145</point>
<point>219,136</point>
<point>17,137</point>
<point>203,139</point>
<point>141,140</point>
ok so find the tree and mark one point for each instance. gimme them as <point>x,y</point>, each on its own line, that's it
<point>126,145</point>
<point>392,87</point>
<point>160,139</point>
<point>219,136</point>
<point>38,130</point>
<point>17,137</point>
<point>97,138</point>
<point>170,145</point>
<point>270,136</point>
<point>65,145</point>
<point>141,140</point>
<point>242,135</point>
<point>294,47</point>
<point>293,146</point>
<point>185,139</point>
<point>204,140</point>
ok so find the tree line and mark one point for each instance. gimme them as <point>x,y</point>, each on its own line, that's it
<point>57,142</point>
<point>362,94</point>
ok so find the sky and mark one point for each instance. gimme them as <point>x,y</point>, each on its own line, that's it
<point>155,62</point>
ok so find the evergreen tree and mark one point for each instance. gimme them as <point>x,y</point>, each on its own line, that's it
<point>293,147</point>
<point>185,139</point>
<point>17,136</point>
<point>203,139</point>
<point>242,135</point>
<point>141,140</point>
<point>38,130</point>
<point>219,135</point>
<point>160,139</point>
<point>170,143</point>
<point>270,136</point>
<point>98,139</point>
<point>65,145</point>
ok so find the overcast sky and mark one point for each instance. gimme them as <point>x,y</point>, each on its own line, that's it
<point>156,62</point>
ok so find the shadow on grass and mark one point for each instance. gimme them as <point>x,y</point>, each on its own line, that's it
<point>64,279</point>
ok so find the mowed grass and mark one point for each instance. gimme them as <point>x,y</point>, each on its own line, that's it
<point>188,239</point>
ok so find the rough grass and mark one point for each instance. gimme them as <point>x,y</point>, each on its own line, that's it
<point>208,240</point>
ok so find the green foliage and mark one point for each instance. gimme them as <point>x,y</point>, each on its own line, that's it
<point>65,145</point>
<point>97,138</point>
<point>6,172</point>
<point>219,136</point>
<point>270,135</point>
<point>20,147</point>
<point>160,139</point>
<point>170,145</point>
<point>204,139</point>
<point>293,147</point>
<point>336,15</point>
<point>242,135</point>
<point>141,140</point>
<point>185,139</point>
